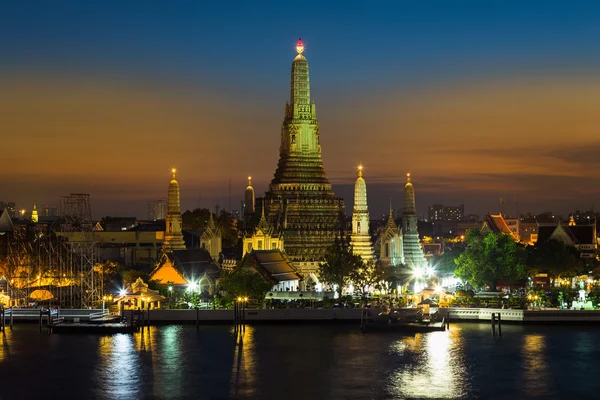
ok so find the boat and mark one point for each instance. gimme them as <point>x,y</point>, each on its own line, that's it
<point>410,320</point>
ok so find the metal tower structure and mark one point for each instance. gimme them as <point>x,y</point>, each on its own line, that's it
<point>77,227</point>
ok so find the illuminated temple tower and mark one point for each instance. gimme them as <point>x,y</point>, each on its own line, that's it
<point>413,253</point>
<point>173,236</point>
<point>299,202</point>
<point>249,199</point>
<point>361,239</point>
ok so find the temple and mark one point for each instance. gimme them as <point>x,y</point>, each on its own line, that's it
<point>34,214</point>
<point>212,239</point>
<point>173,236</point>
<point>360,240</point>
<point>390,241</point>
<point>249,199</point>
<point>413,253</point>
<point>299,204</point>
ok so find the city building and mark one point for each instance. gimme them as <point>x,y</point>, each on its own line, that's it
<point>173,236</point>
<point>360,240</point>
<point>299,204</point>
<point>582,237</point>
<point>498,224</point>
<point>439,212</point>
<point>157,210</point>
<point>413,253</point>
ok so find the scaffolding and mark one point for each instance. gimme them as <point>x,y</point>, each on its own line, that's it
<point>58,258</point>
<point>78,228</point>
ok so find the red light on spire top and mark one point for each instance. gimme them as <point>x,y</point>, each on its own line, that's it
<point>299,46</point>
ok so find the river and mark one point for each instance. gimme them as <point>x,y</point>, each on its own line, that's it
<point>302,362</point>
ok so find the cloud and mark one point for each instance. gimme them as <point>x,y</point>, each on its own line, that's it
<point>468,142</point>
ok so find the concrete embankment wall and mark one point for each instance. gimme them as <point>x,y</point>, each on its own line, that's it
<point>521,316</point>
<point>308,315</point>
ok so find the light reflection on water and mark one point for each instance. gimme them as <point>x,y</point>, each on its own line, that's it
<point>5,338</point>
<point>536,379</point>
<point>302,362</point>
<point>243,370</point>
<point>119,367</point>
<point>428,365</point>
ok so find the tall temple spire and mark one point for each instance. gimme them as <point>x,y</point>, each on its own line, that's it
<point>34,214</point>
<point>299,203</point>
<point>409,197</point>
<point>361,238</point>
<point>173,237</point>
<point>413,254</point>
<point>211,220</point>
<point>249,197</point>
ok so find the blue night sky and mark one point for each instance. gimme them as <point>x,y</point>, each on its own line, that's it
<point>479,100</point>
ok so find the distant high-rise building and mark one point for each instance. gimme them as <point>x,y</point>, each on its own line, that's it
<point>173,235</point>
<point>157,210</point>
<point>439,212</point>
<point>361,238</point>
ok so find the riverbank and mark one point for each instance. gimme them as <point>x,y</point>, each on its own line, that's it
<point>320,316</point>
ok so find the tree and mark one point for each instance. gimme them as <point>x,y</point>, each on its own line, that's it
<point>369,274</point>
<point>554,258</point>
<point>339,264</point>
<point>108,272</point>
<point>242,282</point>
<point>446,263</point>
<point>490,257</point>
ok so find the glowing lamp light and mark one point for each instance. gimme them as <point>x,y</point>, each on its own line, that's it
<point>245,299</point>
<point>192,286</point>
<point>299,46</point>
<point>123,292</point>
<point>418,273</point>
<point>438,289</point>
<point>170,288</point>
<point>430,271</point>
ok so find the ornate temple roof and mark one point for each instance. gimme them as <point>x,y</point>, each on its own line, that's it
<point>497,224</point>
<point>273,265</point>
<point>300,203</point>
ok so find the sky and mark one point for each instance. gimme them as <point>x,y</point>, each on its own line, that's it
<point>478,100</point>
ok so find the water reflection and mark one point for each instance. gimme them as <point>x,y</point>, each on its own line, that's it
<point>536,377</point>
<point>5,338</point>
<point>244,369</point>
<point>117,377</point>
<point>144,339</point>
<point>167,363</point>
<point>428,366</point>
